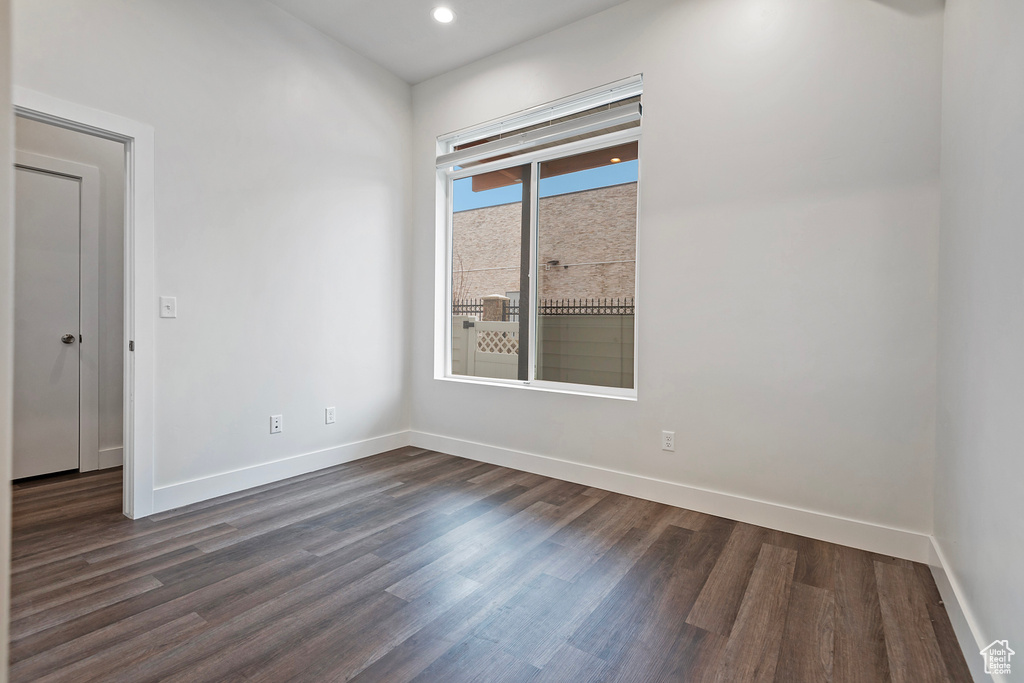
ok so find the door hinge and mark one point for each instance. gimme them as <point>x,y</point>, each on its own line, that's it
<point>131,344</point>
<point>80,339</point>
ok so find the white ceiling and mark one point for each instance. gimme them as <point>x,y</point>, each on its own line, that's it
<point>401,36</point>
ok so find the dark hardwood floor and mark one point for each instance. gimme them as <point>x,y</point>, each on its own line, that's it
<point>413,565</point>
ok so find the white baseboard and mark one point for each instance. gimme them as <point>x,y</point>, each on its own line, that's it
<point>964,624</point>
<point>111,457</point>
<point>185,493</point>
<point>857,534</point>
<point>902,543</point>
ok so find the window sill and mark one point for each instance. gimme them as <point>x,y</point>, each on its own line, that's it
<point>547,387</point>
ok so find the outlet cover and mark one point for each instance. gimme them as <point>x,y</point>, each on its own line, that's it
<point>330,415</point>
<point>668,441</point>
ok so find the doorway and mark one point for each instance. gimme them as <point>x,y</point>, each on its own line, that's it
<point>137,340</point>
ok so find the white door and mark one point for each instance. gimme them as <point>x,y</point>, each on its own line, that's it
<point>47,251</point>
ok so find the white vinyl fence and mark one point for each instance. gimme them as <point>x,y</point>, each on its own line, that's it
<point>485,348</point>
<point>582,349</point>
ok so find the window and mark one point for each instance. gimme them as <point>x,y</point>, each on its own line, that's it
<point>541,243</point>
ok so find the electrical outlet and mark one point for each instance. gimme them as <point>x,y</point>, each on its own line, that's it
<point>330,415</point>
<point>276,423</point>
<point>668,441</point>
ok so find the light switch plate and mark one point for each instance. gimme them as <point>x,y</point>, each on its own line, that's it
<point>168,307</point>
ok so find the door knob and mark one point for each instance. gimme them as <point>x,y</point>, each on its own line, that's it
<point>68,339</point>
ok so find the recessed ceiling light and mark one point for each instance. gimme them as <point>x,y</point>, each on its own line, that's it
<point>442,15</point>
<point>616,160</point>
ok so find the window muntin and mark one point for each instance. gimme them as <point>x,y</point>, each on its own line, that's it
<point>569,330</point>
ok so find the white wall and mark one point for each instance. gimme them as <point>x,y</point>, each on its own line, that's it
<point>979,493</point>
<point>281,214</point>
<point>788,236</point>
<point>108,157</point>
<point>6,320</point>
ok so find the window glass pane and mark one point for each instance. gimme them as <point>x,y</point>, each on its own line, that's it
<point>487,228</point>
<point>586,261</point>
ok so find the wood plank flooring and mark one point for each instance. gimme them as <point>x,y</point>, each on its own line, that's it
<point>418,566</point>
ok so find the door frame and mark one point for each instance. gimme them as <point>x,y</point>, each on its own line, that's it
<point>88,292</point>
<point>140,303</point>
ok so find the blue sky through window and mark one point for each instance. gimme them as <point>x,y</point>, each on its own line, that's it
<point>465,199</point>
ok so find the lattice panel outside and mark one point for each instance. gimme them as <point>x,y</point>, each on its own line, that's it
<point>496,341</point>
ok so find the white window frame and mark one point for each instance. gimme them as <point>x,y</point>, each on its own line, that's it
<point>445,179</point>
